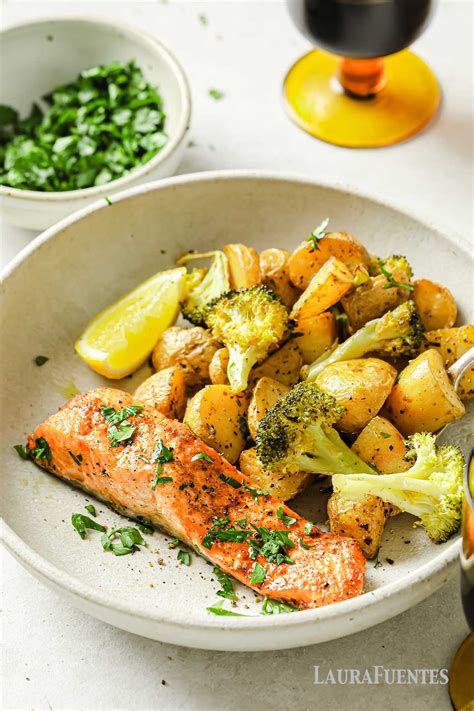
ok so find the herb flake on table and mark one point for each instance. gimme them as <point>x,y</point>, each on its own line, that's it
<point>129,540</point>
<point>41,360</point>
<point>216,94</point>
<point>272,607</point>
<point>184,557</point>
<point>226,582</point>
<point>93,130</point>
<point>218,609</point>
<point>91,509</point>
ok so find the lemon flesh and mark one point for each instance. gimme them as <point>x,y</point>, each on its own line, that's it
<point>120,338</point>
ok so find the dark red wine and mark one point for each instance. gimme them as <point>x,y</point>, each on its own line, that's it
<point>361,28</point>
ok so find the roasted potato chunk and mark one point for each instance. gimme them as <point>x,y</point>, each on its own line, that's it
<point>281,485</point>
<point>318,334</point>
<point>361,386</point>
<point>283,365</point>
<point>165,391</point>
<point>306,261</point>
<point>191,349</point>
<point>381,445</point>
<point>276,275</point>
<point>435,304</point>
<point>244,266</point>
<point>423,399</point>
<point>265,394</point>
<point>325,289</point>
<point>452,343</point>
<point>215,415</point>
<point>372,299</point>
<point>218,367</point>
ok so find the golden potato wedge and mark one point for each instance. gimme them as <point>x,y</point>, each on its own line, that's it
<point>452,343</point>
<point>283,365</point>
<point>364,521</point>
<point>381,445</point>
<point>215,415</point>
<point>218,367</point>
<point>361,386</point>
<point>165,391</point>
<point>244,266</point>
<point>306,261</point>
<point>276,275</point>
<point>423,399</point>
<point>372,299</point>
<point>435,304</point>
<point>189,348</point>
<point>281,485</point>
<point>319,334</point>
<point>325,289</point>
<point>265,394</point>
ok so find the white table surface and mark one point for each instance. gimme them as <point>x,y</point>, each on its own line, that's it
<point>55,657</point>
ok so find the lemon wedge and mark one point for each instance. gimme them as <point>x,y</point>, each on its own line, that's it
<point>120,338</point>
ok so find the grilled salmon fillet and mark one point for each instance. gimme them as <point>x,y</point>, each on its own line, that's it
<point>202,497</point>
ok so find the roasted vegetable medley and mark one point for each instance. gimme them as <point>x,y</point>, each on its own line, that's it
<point>324,361</point>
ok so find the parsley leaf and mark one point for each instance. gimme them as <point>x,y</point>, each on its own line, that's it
<point>23,451</point>
<point>317,234</point>
<point>160,456</point>
<point>120,429</point>
<point>41,451</point>
<point>258,574</point>
<point>272,607</point>
<point>391,282</point>
<point>218,609</point>
<point>226,582</point>
<point>287,520</point>
<point>255,492</point>
<point>230,480</point>
<point>308,528</point>
<point>129,536</point>
<point>184,557</point>
<point>216,94</point>
<point>202,455</point>
<point>77,458</point>
<point>91,509</point>
<point>41,360</point>
<point>81,523</point>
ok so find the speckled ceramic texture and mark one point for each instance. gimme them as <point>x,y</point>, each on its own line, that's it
<point>39,55</point>
<point>51,291</point>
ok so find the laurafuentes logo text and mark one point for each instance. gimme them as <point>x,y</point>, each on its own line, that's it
<point>380,675</point>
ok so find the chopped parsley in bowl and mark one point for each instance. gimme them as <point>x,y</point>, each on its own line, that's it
<point>97,128</point>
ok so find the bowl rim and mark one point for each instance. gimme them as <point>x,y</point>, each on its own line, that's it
<point>431,569</point>
<point>184,119</point>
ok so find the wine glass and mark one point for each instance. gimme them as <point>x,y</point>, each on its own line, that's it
<point>375,92</point>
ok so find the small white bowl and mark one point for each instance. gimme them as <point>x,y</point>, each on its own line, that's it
<point>39,55</point>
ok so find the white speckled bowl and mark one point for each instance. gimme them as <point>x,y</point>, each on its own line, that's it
<point>39,55</point>
<point>57,284</point>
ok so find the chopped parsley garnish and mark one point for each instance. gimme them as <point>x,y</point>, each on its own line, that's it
<point>145,529</point>
<point>272,545</point>
<point>81,523</point>
<point>184,557</point>
<point>243,427</point>
<point>308,528</point>
<point>120,429</point>
<point>385,435</point>
<point>129,537</point>
<point>272,607</point>
<point>392,282</point>
<point>226,582</point>
<point>234,535</point>
<point>216,94</point>
<point>230,480</point>
<point>254,491</point>
<point>91,509</point>
<point>77,458</point>
<point>317,234</point>
<point>97,128</point>
<point>218,609</point>
<point>202,455</point>
<point>241,522</point>
<point>23,451</point>
<point>287,520</point>
<point>173,543</point>
<point>161,455</point>
<point>258,574</point>
<point>41,360</point>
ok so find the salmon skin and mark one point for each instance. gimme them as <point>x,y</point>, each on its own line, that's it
<point>204,500</point>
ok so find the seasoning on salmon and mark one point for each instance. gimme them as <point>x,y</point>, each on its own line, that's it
<point>162,473</point>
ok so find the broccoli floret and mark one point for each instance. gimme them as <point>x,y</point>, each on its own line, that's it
<point>432,489</point>
<point>202,291</point>
<point>398,332</point>
<point>396,264</point>
<point>250,323</point>
<point>297,434</point>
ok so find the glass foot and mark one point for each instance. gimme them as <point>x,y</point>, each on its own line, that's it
<point>405,96</point>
